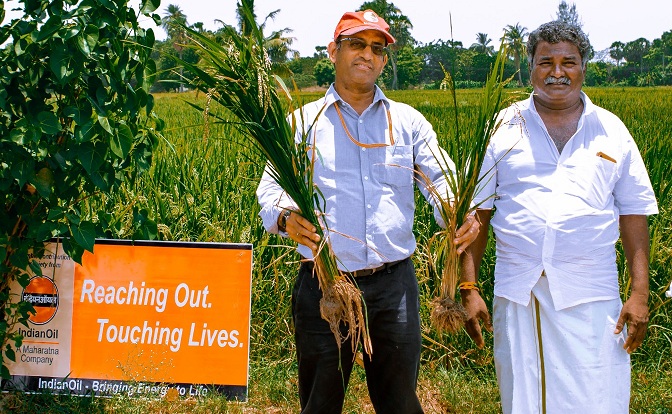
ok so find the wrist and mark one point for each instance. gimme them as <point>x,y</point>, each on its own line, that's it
<point>469,286</point>
<point>282,220</point>
<point>640,295</point>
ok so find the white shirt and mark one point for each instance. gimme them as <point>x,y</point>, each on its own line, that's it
<point>559,213</point>
<point>369,198</point>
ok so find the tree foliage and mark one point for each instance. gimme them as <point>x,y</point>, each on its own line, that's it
<point>324,72</point>
<point>636,62</point>
<point>408,67</point>
<point>75,120</point>
<point>469,66</point>
<point>400,29</point>
<point>483,45</point>
<point>616,51</point>
<point>278,45</point>
<point>634,52</point>
<point>515,38</point>
<point>568,14</point>
<point>437,55</point>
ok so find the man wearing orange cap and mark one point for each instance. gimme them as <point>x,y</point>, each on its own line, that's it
<point>369,147</point>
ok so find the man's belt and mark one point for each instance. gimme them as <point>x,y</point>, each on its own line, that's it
<point>369,272</point>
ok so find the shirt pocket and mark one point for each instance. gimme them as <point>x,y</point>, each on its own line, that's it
<point>397,167</point>
<point>590,177</point>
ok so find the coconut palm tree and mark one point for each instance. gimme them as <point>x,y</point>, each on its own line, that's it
<point>634,52</point>
<point>277,44</point>
<point>173,22</point>
<point>515,38</point>
<point>617,52</point>
<point>482,44</point>
<point>245,26</point>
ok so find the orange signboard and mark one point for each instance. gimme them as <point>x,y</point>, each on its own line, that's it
<point>139,318</point>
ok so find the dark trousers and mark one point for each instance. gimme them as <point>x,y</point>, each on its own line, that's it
<point>392,305</point>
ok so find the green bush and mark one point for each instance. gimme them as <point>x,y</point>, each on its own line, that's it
<point>75,120</point>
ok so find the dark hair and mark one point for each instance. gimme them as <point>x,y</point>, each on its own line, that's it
<point>558,31</point>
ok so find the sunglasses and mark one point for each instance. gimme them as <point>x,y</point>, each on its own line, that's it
<point>355,43</point>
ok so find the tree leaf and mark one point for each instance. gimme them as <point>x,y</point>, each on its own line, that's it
<point>86,132</point>
<point>49,28</point>
<point>19,259</point>
<point>103,179</point>
<point>149,39</point>
<point>9,353</point>
<point>74,250</point>
<point>35,267</point>
<point>149,74</point>
<point>80,114</point>
<point>106,177</point>
<point>61,63</point>
<point>24,280</point>
<point>71,32</point>
<point>49,123</point>
<point>4,372</point>
<point>88,39</point>
<point>145,228</point>
<point>84,234</point>
<point>121,142</point>
<point>91,156</point>
<point>149,104</point>
<point>20,46</point>
<point>33,134</point>
<point>105,123</point>
<point>148,6</point>
<point>18,136</point>
<point>22,170</point>
<point>44,181</point>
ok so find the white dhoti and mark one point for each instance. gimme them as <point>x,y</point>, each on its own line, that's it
<point>566,361</point>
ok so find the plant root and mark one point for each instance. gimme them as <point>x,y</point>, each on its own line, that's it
<point>342,306</point>
<point>447,315</point>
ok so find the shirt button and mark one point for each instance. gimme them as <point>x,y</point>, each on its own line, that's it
<point>366,178</point>
<point>368,206</point>
<point>361,121</point>
<point>363,149</point>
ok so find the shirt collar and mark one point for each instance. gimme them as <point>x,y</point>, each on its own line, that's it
<point>332,96</point>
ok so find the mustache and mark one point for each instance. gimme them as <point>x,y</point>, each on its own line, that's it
<point>563,80</point>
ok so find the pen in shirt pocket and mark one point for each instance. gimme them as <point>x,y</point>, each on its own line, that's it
<point>606,157</point>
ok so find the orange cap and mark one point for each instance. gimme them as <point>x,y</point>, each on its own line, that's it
<point>354,22</point>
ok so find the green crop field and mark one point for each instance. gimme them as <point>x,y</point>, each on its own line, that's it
<point>201,187</point>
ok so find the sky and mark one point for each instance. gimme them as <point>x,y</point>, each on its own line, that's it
<point>313,21</point>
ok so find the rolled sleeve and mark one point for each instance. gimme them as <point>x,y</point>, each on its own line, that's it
<point>272,200</point>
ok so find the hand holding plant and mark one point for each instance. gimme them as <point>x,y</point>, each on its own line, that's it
<point>467,152</point>
<point>235,72</point>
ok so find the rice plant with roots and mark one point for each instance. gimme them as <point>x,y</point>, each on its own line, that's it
<point>235,72</point>
<point>467,151</point>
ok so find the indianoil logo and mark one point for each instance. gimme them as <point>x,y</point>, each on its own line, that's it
<point>42,293</point>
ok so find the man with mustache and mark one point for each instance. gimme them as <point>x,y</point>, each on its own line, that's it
<point>561,177</point>
<point>368,149</point>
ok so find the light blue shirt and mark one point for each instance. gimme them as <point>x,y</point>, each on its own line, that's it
<point>368,192</point>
